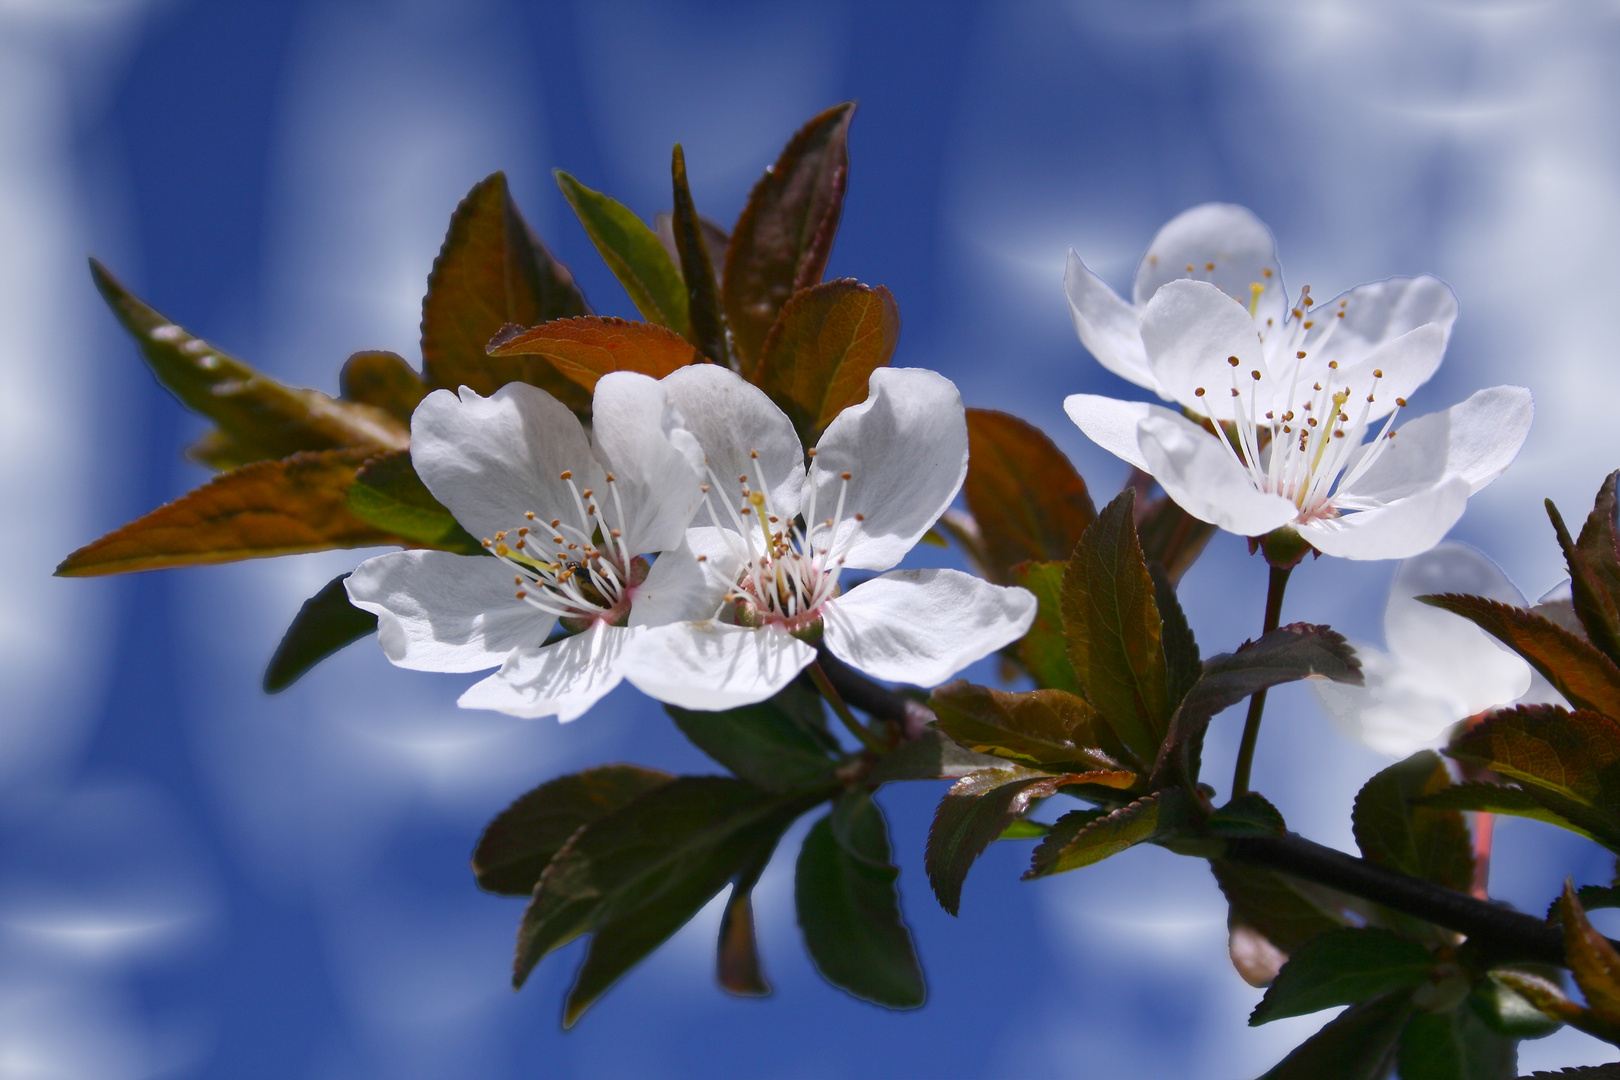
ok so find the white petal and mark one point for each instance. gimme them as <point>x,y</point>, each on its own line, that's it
<point>1396,530</point>
<point>656,464</point>
<point>564,678</point>
<point>1394,713</point>
<point>1457,660</point>
<point>1379,312</point>
<point>906,450</point>
<point>442,612</point>
<point>712,666</point>
<point>678,587</point>
<point>1231,237</point>
<point>1406,363</point>
<point>730,418</point>
<point>1189,330</point>
<point>1476,440</point>
<point>1111,423</point>
<point>1205,480</point>
<point>1106,324</point>
<point>923,626</point>
<point>491,460</point>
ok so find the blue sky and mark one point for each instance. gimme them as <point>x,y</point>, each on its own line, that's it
<point>201,881</point>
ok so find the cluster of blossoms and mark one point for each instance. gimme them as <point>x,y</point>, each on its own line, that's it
<point>692,545</point>
<point>685,545</point>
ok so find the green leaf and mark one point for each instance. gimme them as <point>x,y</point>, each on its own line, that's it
<point>764,744</point>
<point>820,354</point>
<point>1183,666</point>
<point>707,328</point>
<point>849,909</point>
<point>1455,1045</point>
<point>1150,819</point>
<point>324,624</point>
<point>583,350</point>
<point>977,810</point>
<point>1343,967</point>
<point>1507,1012</point>
<point>1358,1044</point>
<point>1248,815</point>
<point>781,241</point>
<point>1586,678</point>
<point>1289,653</point>
<point>1050,729</point>
<point>1043,652</point>
<point>1171,537</point>
<point>258,418</point>
<point>1270,915</point>
<point>1594,569</point>
<point>387,493</point>
<point>1568,762</point>
<point>1498,799</point>
<point>1025,829</point>
<point>1112,626</point>
<point>1547,995</point>
<point>1422,841</point>
<point>664,905</point>
<point>285,507</point>
<point>931,756</point>
<point>383,380</point>
<point>632,251</point>
<point>491,271</point>
<point>1592,960</point>
<point>637,874</point>
<point>520,841</point>
<point>1028,501</point>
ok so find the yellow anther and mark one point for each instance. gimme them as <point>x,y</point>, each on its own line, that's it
<point>1266,272</point>
<point>566,474</point>
<point>1198,392</point>
<point>1234,361</point>
<point>1208,267</point>
<point>1255,289</point>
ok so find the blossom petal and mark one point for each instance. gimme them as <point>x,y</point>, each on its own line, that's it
<point>1451,656</point>
<point>679,587</point>
<point>1402,365</point>
<point>1396,530</point>
<point>564,678</point>
<point>923,626</point>
<point>905,449</point>
<point>656,464</point>
<point>1379,312</point>
<point>1476,439</point>
<point>1392,713</point>
<point>1238,243</point>
<point>710,665</point>
<point>490,460</point>
<point>731,419</point>
<point>442,612</point>
<point>1111,423</point>
<point>1205,479</point>
<point>1189,329</point>
<point>1106,324</point>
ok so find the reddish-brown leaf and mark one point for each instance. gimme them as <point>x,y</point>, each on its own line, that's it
<point>1029,502</point>
<point>491,271</point>
<point>823,350</point>
<point>587,348</point>
<point>1592,959</point>
<point>1587,678</point>
<point>782,239</point>
<point>1574,757</point>
<point>383,380</point>
<point>280,507</point>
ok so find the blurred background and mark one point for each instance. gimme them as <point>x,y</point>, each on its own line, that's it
<point>197,880</point>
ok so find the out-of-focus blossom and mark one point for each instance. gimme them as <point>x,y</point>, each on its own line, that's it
<point>1277,401</point>
<point>1230,248</point>
<point>569,525</point>
<point>1438,668</point>
<point>879,478</point>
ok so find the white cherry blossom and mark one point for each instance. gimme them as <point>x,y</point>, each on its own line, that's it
<point>569,521</point>
<point>1295,454</point>
<point>1228,247</point>
<point>776,539</point>
<point>1439,668</point>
